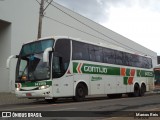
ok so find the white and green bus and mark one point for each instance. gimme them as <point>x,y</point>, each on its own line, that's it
<point>56,67</point>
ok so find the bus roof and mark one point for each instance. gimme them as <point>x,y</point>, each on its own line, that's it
<point>111,46</point>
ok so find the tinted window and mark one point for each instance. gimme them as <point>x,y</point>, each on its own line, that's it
<point>109,56</point>
<point>36,47</point>
<point>84,51</point>
<point>57,68</point>
<point>61,56</point>
<point>99,54</point>
<point>95,53</point>
<point>149,62</point>
<point>135,60</point>
<point>92,50</point>
<point>119,57</point>
<point>146,62</point>
<point>80,51</point>
<point>127,59</point>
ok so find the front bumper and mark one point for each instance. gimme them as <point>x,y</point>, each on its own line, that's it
<point>34,93</point>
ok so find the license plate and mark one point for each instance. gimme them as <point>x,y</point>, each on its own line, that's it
<point>28,94</point>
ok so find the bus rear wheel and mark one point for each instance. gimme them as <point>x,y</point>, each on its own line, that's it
<point>143,90</point>
<point>136,90</point>
<point>80,93</point>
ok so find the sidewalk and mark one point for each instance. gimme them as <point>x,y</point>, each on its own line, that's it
<point>10,98</point>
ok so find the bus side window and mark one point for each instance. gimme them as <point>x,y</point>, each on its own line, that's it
<point>80,51</point>
<point>78,56</point>
<point>56,67</point>
<point>62,51</point>
<point>149,62</point>
<point>99,54</point>
<point>95,53</point>
<point>109,56</point>
<point>128,59</point>
<point>92,56</point>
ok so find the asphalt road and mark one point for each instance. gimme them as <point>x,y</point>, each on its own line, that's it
<point>91,109</point>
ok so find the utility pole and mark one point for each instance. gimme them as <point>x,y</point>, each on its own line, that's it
<point>41,11</point>
<point>41,15</point>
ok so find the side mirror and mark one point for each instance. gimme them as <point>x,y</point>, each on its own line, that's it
<point>46,54</point>
<point>9,60</point>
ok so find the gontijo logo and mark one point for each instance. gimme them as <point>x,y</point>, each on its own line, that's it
<point>88,68</point>
<point>93,69</point>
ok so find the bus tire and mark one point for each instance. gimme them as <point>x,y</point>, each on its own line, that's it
<point>136,92</point>
<point>51,100</point>
<point>142,90</point>
<point>80,93</point>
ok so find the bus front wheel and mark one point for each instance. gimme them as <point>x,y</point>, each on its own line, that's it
<point>136,91</point>
<point>80,93</point>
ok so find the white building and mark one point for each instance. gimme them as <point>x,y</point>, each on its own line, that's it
<point>19,24</point>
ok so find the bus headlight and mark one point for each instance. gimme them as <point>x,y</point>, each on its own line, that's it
<point>17,89</point>
<point>43,87</point>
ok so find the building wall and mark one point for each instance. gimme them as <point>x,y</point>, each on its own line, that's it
<point>5,50</point>
<point>158,59</point>
<point>23,18</point>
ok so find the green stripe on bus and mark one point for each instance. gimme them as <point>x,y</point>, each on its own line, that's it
<point>144,73</point>
<point>107,70</point>
<point>128,72</point>
<point>95,69</point>
<point>125,80</point>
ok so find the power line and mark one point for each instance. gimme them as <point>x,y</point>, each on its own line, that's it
<point>38,2</point>
<point>80,30</point>
<point>73,27</point>
<point>123,45</point>
<point>89,26</point>
<point>47,5</point>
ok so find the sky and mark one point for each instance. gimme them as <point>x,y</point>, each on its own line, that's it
<point>138,20</point>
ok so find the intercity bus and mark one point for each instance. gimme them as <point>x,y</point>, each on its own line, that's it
<point>58,67</point>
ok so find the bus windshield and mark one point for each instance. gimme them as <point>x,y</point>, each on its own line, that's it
<point>30,65</point>
<point>36,47</point>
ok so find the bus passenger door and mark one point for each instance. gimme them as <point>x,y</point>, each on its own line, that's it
<point>63,87</point>
<point>62,79</point>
